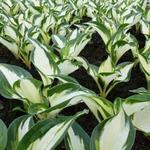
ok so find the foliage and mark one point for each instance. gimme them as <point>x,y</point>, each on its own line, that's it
<point>49,35</point>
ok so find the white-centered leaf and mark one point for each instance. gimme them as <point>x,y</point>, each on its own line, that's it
<point>44,60</point>
<point>30,89</point>
<point>11,45</point>
<point>136,103</point>
<point>77,138</point>
<point>144,63</point>
<point>106,66</point>
<point>47,134</point>
<point>141,119</point>
<point>68,93</point>
<point>116,133</point>
<point>102,30</point>
<point>9,74</point>
<point>59,41</point>
<point>17,129</point>
<point>3,135</point>
<point>64,92</point>
<point>100,107</point>
<point>123,72</point>
<point>66,67</point>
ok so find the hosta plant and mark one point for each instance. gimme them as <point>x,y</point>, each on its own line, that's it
<point>45,104</point>
<point>108,75</point>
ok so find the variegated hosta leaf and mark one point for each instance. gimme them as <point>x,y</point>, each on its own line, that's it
<point>141,119</point>
<point>17,129</point>
<point>116,133</point>
<point>11,45</point>
<point>65,78</point>
<point>133,19</point>
<point>136,103</point>
<point>44,60</point>
<point>10,38</point>
<point>91,69</point>
<point>121,46</point>
<point>81,41</point>
<point>102,30</point>
<point>91,9</point>
<point>30,89</point>
<point>145,27</point>
<point>106,66</point>
<point>123,72</point>
<point>47,134</point>
<point>66,92</point>
<point>11,32</point>
<point>9,74</point>
<point>3,135</point>
<point>100,107</point>
<point>59,41</point>
<point>66,67</point>
<point>138,106</point>
<point>144,63</point>
<point>77,138</point>
<point>71,45</point>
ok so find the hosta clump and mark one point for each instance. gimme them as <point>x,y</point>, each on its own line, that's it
<point>108,74</point>
<point>72,44</point>
<point>19,84</point>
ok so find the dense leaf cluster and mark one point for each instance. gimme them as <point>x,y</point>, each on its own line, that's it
<point>50,34</point>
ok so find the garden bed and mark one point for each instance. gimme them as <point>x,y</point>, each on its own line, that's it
<point>74,75</point>
<point>95,54</point>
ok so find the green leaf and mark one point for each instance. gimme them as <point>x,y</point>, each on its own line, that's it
<point>47,134</point>
<point>77,138</point>
<point>3,135</point>
<point>9,74</point>
<point>17,129</point>
<point>116,133</point>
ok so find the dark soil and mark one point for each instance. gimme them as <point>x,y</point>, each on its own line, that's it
<point>95,53</point>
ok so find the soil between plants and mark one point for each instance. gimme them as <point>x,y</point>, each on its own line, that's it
<point>95,53</point>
